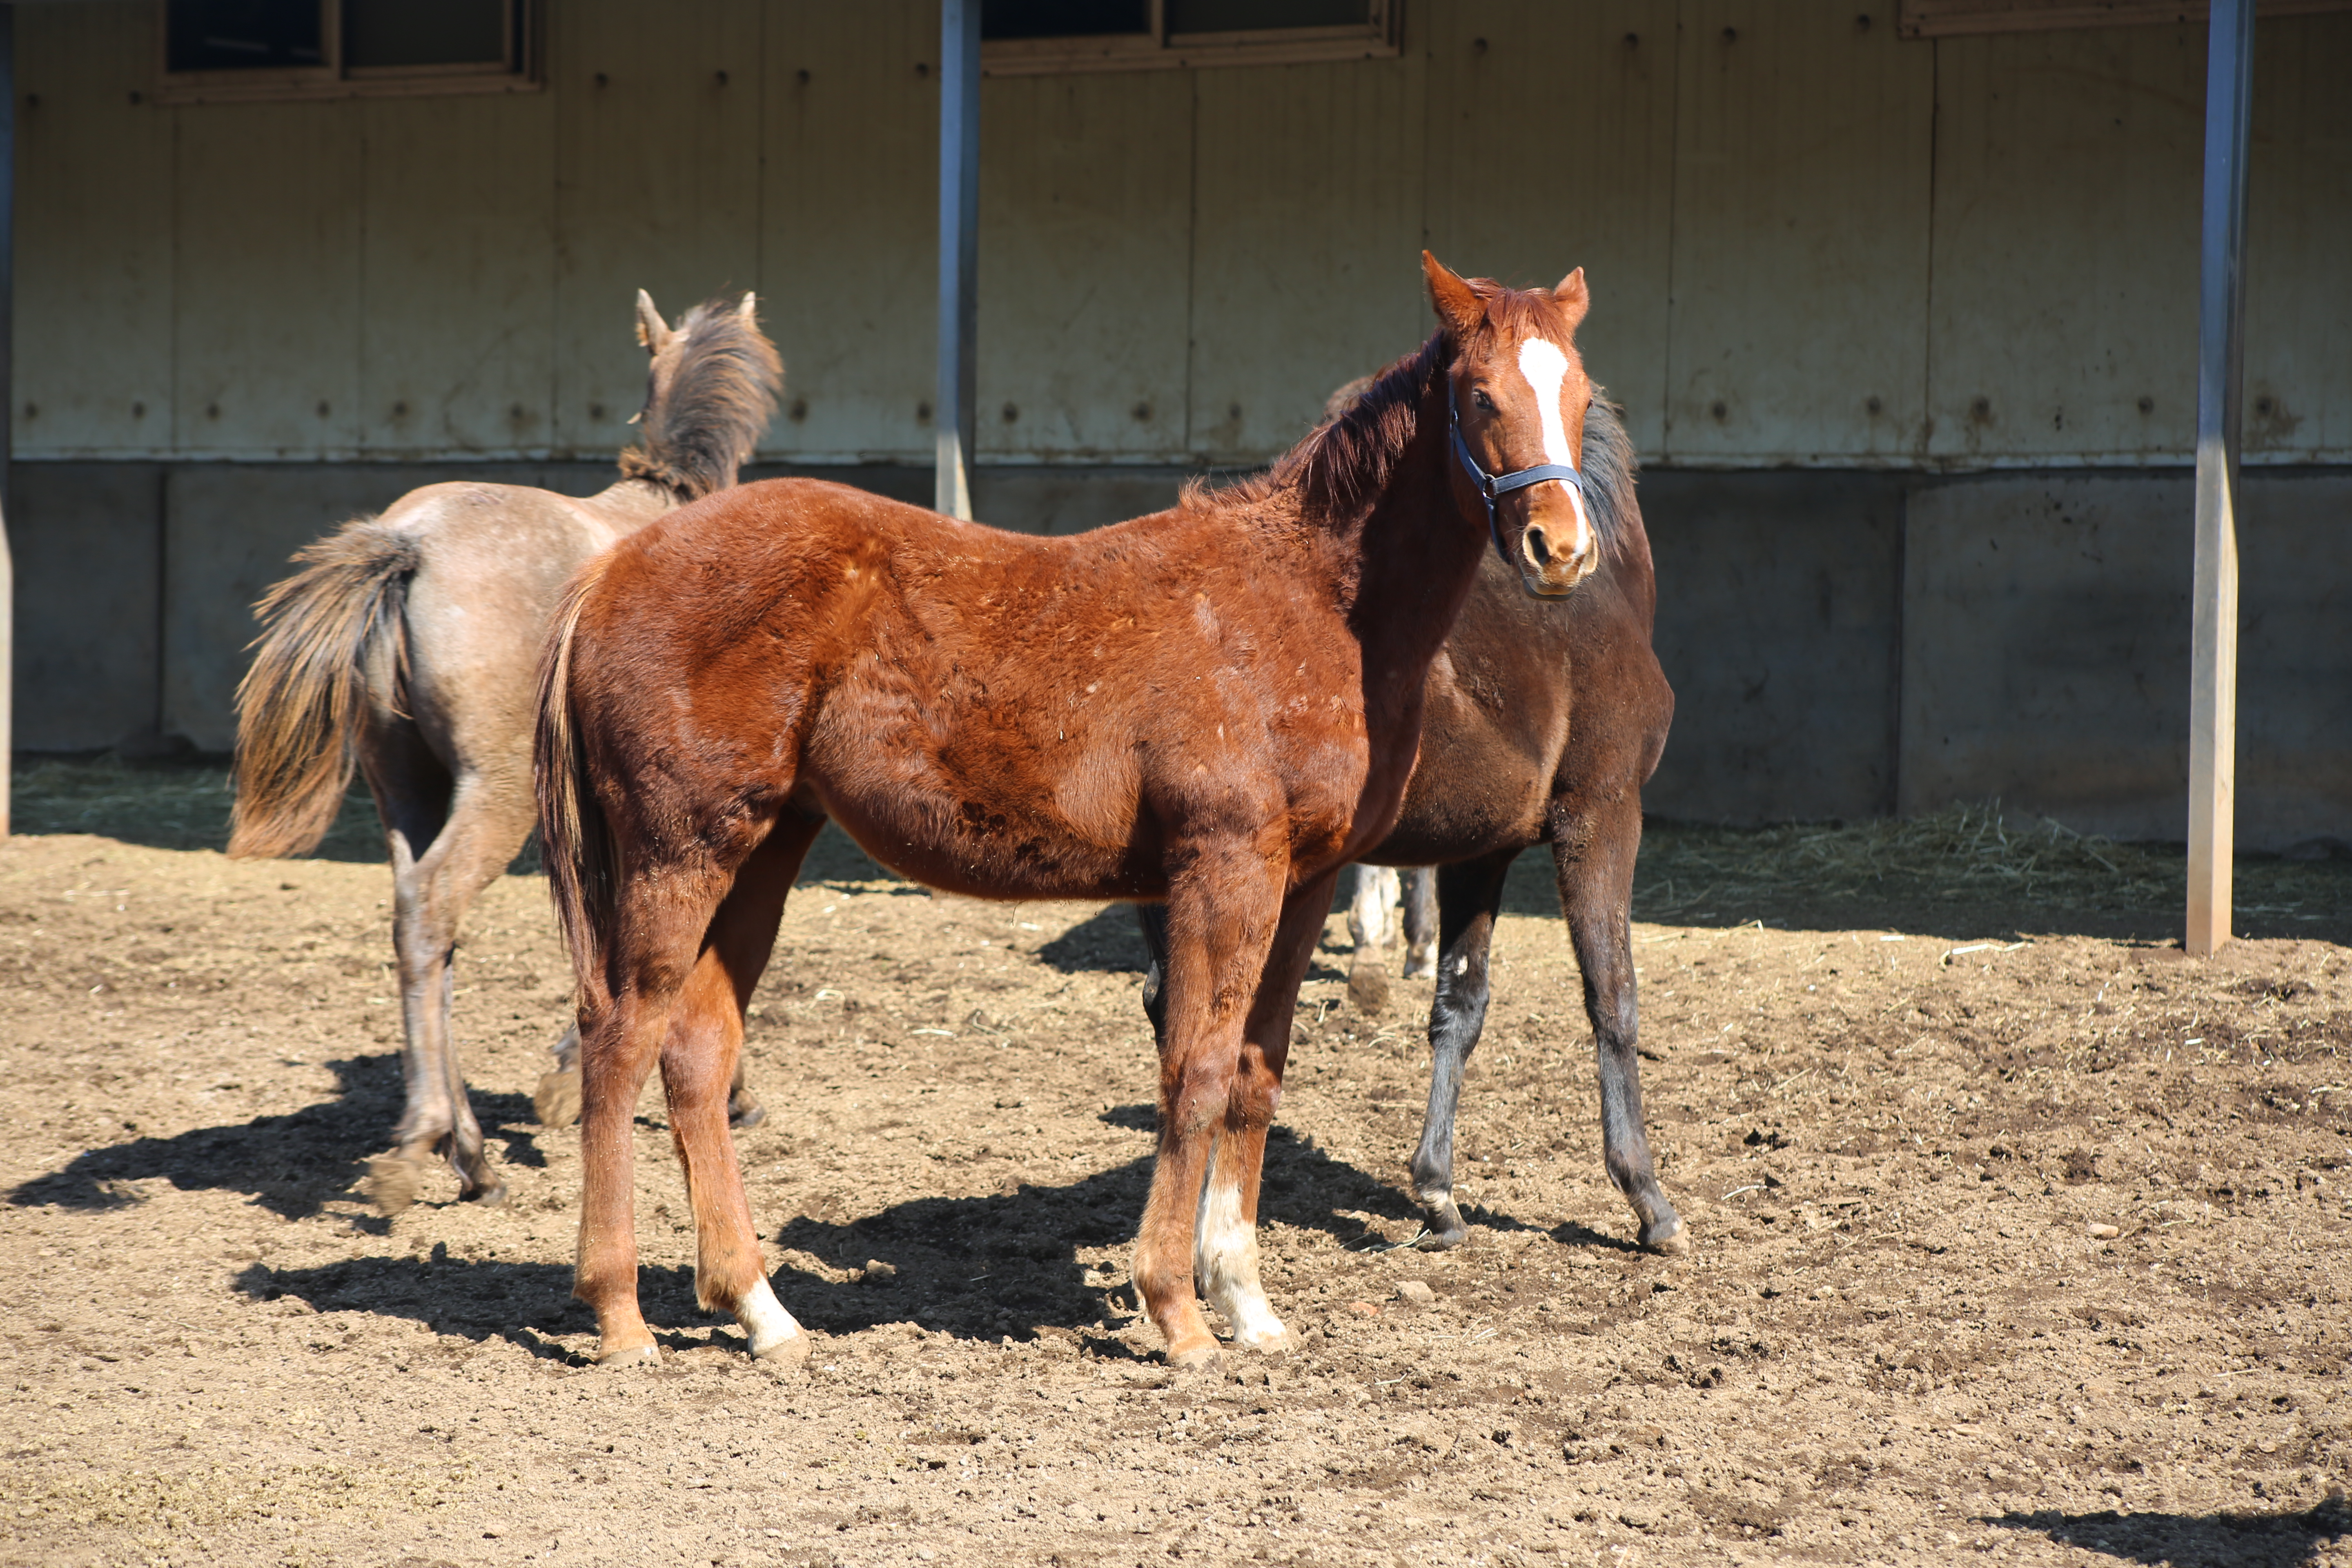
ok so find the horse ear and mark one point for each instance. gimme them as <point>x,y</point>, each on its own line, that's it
<point>750,309</point>
<point>653,332</point>
<point>1458,305</point>
<point>1574,297</point>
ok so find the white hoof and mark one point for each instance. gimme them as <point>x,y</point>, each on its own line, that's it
<point>774,1333</point>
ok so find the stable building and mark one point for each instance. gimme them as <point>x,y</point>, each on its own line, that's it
<point>1899,295</point>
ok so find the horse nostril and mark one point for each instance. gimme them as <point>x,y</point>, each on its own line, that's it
<point>1538,548</point>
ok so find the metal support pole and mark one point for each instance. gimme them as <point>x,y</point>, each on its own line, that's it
<point>953,419</point>
<point>7,401</point>
<point>2213,638</point>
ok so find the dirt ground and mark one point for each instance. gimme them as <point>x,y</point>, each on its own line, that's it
<point>2018,1237</point>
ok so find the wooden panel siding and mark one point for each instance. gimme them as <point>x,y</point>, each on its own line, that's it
<point>657,187</point>
<point>267,304</point>
<point>1551,138</point>
<point>94,275</point>
<point>2064,320</point>
<point>1084,220</point>
<point>1800,236</point>
<point>2298,397</point>
<point>1787,211</point>
<point>1307,218</point>
<point>458,348</point>
<point>848,228</point>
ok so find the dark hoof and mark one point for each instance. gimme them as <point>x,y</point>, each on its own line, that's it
<point>556,1100</point>
<point>490,1196</point>
<point>748,1116</point>
<point>1668,1237</point>
<point>1368,984</point>
<point>1444,1228</point>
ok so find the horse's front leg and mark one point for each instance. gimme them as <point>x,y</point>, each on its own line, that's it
<point>1469,895</point>
<point>1224,1241</point>
<point>1222,916</point>
<point>1593,851</point>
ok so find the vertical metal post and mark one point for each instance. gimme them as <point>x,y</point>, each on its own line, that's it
<point>953,420</point>
<point>8,402</point>
<point>2213,638</point>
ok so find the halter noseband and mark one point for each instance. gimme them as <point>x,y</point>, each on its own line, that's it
<point>1490,486</point>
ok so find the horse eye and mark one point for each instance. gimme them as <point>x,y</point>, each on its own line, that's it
<point>1480,398</point>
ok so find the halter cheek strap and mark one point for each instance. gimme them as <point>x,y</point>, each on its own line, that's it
<point>1490,486</point>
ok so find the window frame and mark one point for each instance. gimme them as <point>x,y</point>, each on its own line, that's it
<point>1955,18</point>
<point>519,73</point>
<point>1159,49</point>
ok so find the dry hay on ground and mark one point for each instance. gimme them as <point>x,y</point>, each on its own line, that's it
<point>2018,1238</point>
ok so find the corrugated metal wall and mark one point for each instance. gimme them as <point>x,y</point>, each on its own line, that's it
<point>1811,242</point>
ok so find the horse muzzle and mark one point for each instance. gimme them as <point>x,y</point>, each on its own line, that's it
<point>1556,554</point>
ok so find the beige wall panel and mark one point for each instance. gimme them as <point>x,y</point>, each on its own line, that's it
<point>1801,235</point>
<point>93,371</point>
<point>849,235</point>
<point>1306,239</point>
<point>1552,132</point>
<point>2064,315</point>
<point>267,303</point>
<point>657,187</point>
<point>458,338</point>
<point>2298,404</point>
<point>1084,224</point>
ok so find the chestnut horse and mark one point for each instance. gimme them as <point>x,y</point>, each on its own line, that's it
<point>1216,706</point>
<point>1542,719</point>
<point>407,646</point>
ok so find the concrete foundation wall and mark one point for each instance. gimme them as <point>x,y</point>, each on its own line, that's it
<point>1842,645</point>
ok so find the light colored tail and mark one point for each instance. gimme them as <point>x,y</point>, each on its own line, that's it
<point>333,635</point>
<point>575,841</point>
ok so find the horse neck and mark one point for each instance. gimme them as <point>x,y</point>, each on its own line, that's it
<point>1415,559</point>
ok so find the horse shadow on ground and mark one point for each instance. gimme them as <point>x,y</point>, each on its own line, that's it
<point>980,1267</point>
<point>2195,1541</point>
<point>293,1165</point>
<point>1111,943</point>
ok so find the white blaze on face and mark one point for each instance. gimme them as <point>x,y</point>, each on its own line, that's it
<point>1545,369</point>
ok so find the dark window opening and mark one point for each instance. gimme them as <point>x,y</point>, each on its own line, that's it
<point>386,34</point>
<point>1265,16</point>
<point>244,34</point>
<point>1063,18</point>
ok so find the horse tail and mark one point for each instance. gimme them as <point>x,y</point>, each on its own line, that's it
<point>334,639</point>
<point>709,394</point>
<point>575,840</point>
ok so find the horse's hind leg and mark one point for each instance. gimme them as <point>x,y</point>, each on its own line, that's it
<point>1371,925</point>
<point>698,1061</point>
<point>556,1101</point>
<point>1420,922</point>
<point>1469,895</point>
<point>466,846</point>
<point>1225,1233</point>
<point>1593,851</point>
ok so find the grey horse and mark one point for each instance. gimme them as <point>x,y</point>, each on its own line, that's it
<point>407,646</point>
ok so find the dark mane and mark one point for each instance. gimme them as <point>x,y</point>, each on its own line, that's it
<point>702,419</point>
<point>1344,462</point>
<point>1368,424</point>
<point>1609,469</point>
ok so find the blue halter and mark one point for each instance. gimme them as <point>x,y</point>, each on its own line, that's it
<point>1490,486</point>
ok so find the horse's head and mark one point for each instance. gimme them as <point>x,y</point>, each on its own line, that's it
<point>1518,392</point>
<point>668,348</point>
